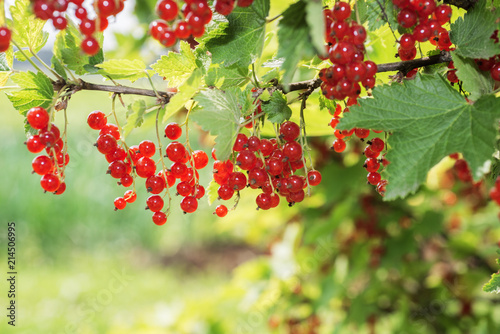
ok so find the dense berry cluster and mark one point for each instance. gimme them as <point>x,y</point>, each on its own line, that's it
<point>345,45</point>
<point>181,21</point>
<point>270,165</point>
<point>128,163</point>
<point>5,36</point>
<point>51,166</point>
<point>423,21</point>
<point>56,11</point>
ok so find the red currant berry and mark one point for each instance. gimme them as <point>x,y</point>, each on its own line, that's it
<point>314,177</point>
<point>90,46</point>
<point>97,120</point>
<point>147,148</point>
<point>167,9</point>
<point>339,145</point>
<point>130,196</point>
<point>237,181</point>
<point>173,131</point>
<point>159,218</point>
<point>373,178</point>
<point>289,131</point>
<point>200,159</point>
<point>42,165</point>
<point>264,201</point>
<point>145,167</point>
<point>126,181</point>
<point>221,210</point>
<point>240,142</point>
<point>120,203</point>
<point>38,118</point>
<point>154,203</point>
<point>50,182</point>
<point>189,204</point>
<point>341,10</point>
<point>176,151</point>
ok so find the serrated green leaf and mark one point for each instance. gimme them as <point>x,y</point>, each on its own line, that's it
<point>241,42</point>
<point>36,90</point>
<point>67,50</point>
<point>225,77</point>
<point>369,11</point>
<point>316,22</point>
<point>27,29</point>
<point>212,194</point>
<point>276,108</point>
<point>186,92</point>
<point>219,112</point>
<point>123,69</point>
<point>293,38</point>
<point>135,116</point>
<point>176,67</point>
<point>428,120</point>
<point>475,81</point>
<point>471,34</point>
<point>493,286</point>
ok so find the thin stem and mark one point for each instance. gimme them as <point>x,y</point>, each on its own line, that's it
<point>358,20</point>
<point>384,14</point>
<point>303,140</point>
<point>164,167</point>
<point>152,85</point>
<point>274,18</point>
<point>26,56</point>
<point>45,65</point>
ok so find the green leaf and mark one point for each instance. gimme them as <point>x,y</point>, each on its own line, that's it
<point>471,34</point>
<point>276,108</point>
<point>67,50</point>
<point>36,90</point>
<point>225,77</point>
<point>186,91</point>
<point>428,120</point>
<point>135,116</point>
<point>28,30</point>
<point>293,38</point>
<point>493,286</point>
<point>241,42</point>
<point>5,66</point>
<point>370,12</point>
<point>123,69</point>
<point>212,194</point>
<point>59,68</point>
<point>327,104</point>
<point>219,113</point>
<point>316,22</point>
<point>475,81</point>
<point>176,67</point>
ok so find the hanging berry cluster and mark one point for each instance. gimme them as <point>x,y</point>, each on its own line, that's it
<point>422,21</point>
<point>52,165</point>
<point>178,22</point>
<point>345,45</point>
<point>128,163</point>
<point>270,165</point>
<point>56,11</point>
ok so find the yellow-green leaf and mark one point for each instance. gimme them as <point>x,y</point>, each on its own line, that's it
<point>176,67</point>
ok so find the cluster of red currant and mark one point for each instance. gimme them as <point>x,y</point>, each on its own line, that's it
<point>424,20</point>
<point>5,36</point>
<point>50,166</point>
<point>270,165</point>
<point>125,163</point>
<point>372,150</point>
<point>189,20</point>
<point>345,45</point>
<point>55,10</point>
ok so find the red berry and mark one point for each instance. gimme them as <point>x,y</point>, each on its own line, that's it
<point>106,143</point>
<point>37,117</point>
<point>292,150</point>
<point>106,7</point>
<point>173,131</point>
<point>289,131</point>
<point>339,145</point>
<point>176,151</point>
<point>377,144</point>
<point>147,148</point>
<point>224,7</point>
<point>154,203</point>
<point>443,13</point>
<point>200,159</point>
<point>97,120</point>
<point>156,29</point>
<point>407,18</point>
<point>42,165</point>
<point>189,204</point>
<point>341,10</point>
<point>240,142</point>
<point>314,177</point>
<point>221,210</point>
<point>120,203</point>
<point>50,182</point>
<point>145,167</point>
<point>495,72</point>
<point>373,178</point>
<point>90,46</point>
<point>225,192</point>
<point>34,144</point>
<point>371,164</point>
<point>237,181</point>
<point>264,201</point>
<point>126,181</point>
<point>130,196</point>
<point>117,169</point>
<point>167,9</point>
<point>159,218</point>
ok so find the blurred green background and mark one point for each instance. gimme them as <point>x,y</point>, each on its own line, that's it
<point>343,261</point>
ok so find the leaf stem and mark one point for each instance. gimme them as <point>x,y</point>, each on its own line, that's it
<point>45,65</point>
<point>26,56</point>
